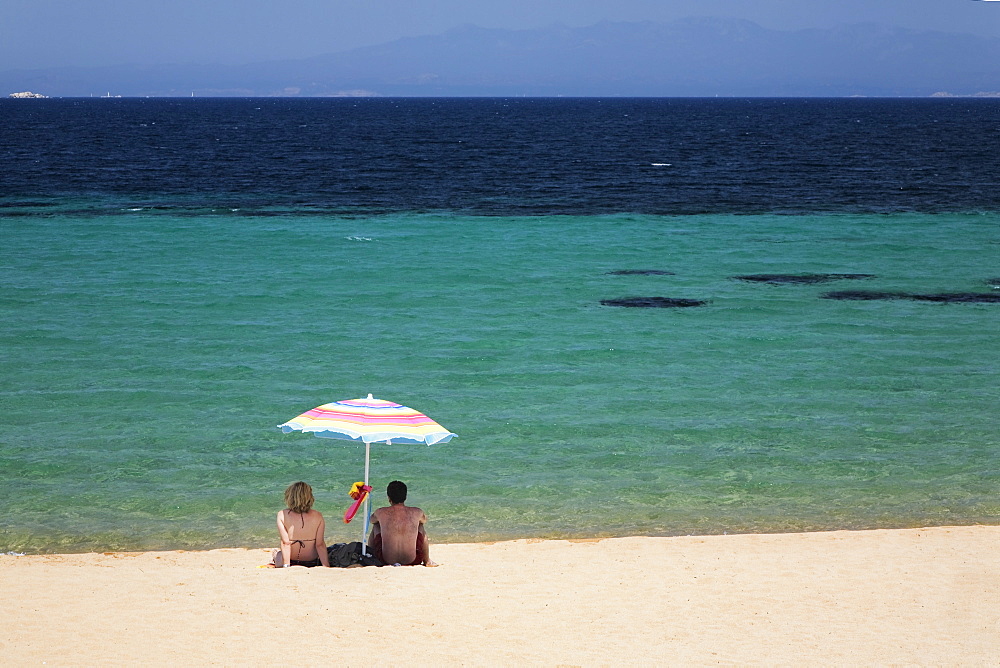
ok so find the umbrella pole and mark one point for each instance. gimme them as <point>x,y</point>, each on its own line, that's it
<point>368,501</point>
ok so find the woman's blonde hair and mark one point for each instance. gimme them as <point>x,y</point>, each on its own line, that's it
<point>299,497</point>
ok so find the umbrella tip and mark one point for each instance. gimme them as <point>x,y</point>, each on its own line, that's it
<point>370,396</point>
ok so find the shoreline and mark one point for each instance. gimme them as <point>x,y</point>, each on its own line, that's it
<point>919,596</point>
<point>479,540</point>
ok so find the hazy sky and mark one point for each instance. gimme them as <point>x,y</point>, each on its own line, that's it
<point>46,33</point>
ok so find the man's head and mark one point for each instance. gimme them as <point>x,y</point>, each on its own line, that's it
<point>396,491</point>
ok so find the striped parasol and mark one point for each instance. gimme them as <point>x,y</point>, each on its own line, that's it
<point>369,421</point>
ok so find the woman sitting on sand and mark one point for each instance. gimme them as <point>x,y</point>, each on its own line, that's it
<point>301,530</point>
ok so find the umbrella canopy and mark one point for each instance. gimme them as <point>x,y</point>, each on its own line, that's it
<point>369,421</point>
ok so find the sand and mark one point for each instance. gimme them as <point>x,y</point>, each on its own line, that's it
<point>914,596</point>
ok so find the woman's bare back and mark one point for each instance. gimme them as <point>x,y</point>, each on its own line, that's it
<point>302,531</point>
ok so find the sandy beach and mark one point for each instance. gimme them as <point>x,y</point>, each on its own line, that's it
<point>914,596</point>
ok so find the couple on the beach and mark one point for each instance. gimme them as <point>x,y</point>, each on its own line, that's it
<point>397,537</point>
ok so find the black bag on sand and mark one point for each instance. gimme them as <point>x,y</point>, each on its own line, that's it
<point>345,555</point>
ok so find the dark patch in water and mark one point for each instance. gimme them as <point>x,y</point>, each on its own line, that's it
<point>994,282</point>
<point>863,295</point>
<point>653,302</point>
<point>800,279</point>
<point>943,297</point>
<point>960,298</point>
<point>640,272</point>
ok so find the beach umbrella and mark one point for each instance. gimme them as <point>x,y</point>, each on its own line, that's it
<point>369,421</point>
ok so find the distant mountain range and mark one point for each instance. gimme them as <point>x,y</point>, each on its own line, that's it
<point>699,57</point>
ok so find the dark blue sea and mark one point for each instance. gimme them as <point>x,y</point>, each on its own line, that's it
<point>640,316</point>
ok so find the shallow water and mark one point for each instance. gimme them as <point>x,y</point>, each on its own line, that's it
<point>150,357</point>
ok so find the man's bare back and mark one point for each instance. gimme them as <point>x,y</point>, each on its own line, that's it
<point>399,529</point>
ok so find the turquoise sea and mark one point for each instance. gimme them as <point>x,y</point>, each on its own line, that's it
<point>178,277</point>
<point>148,356</point>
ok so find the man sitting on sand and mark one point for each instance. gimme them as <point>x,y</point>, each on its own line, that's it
<point>398,536</point>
